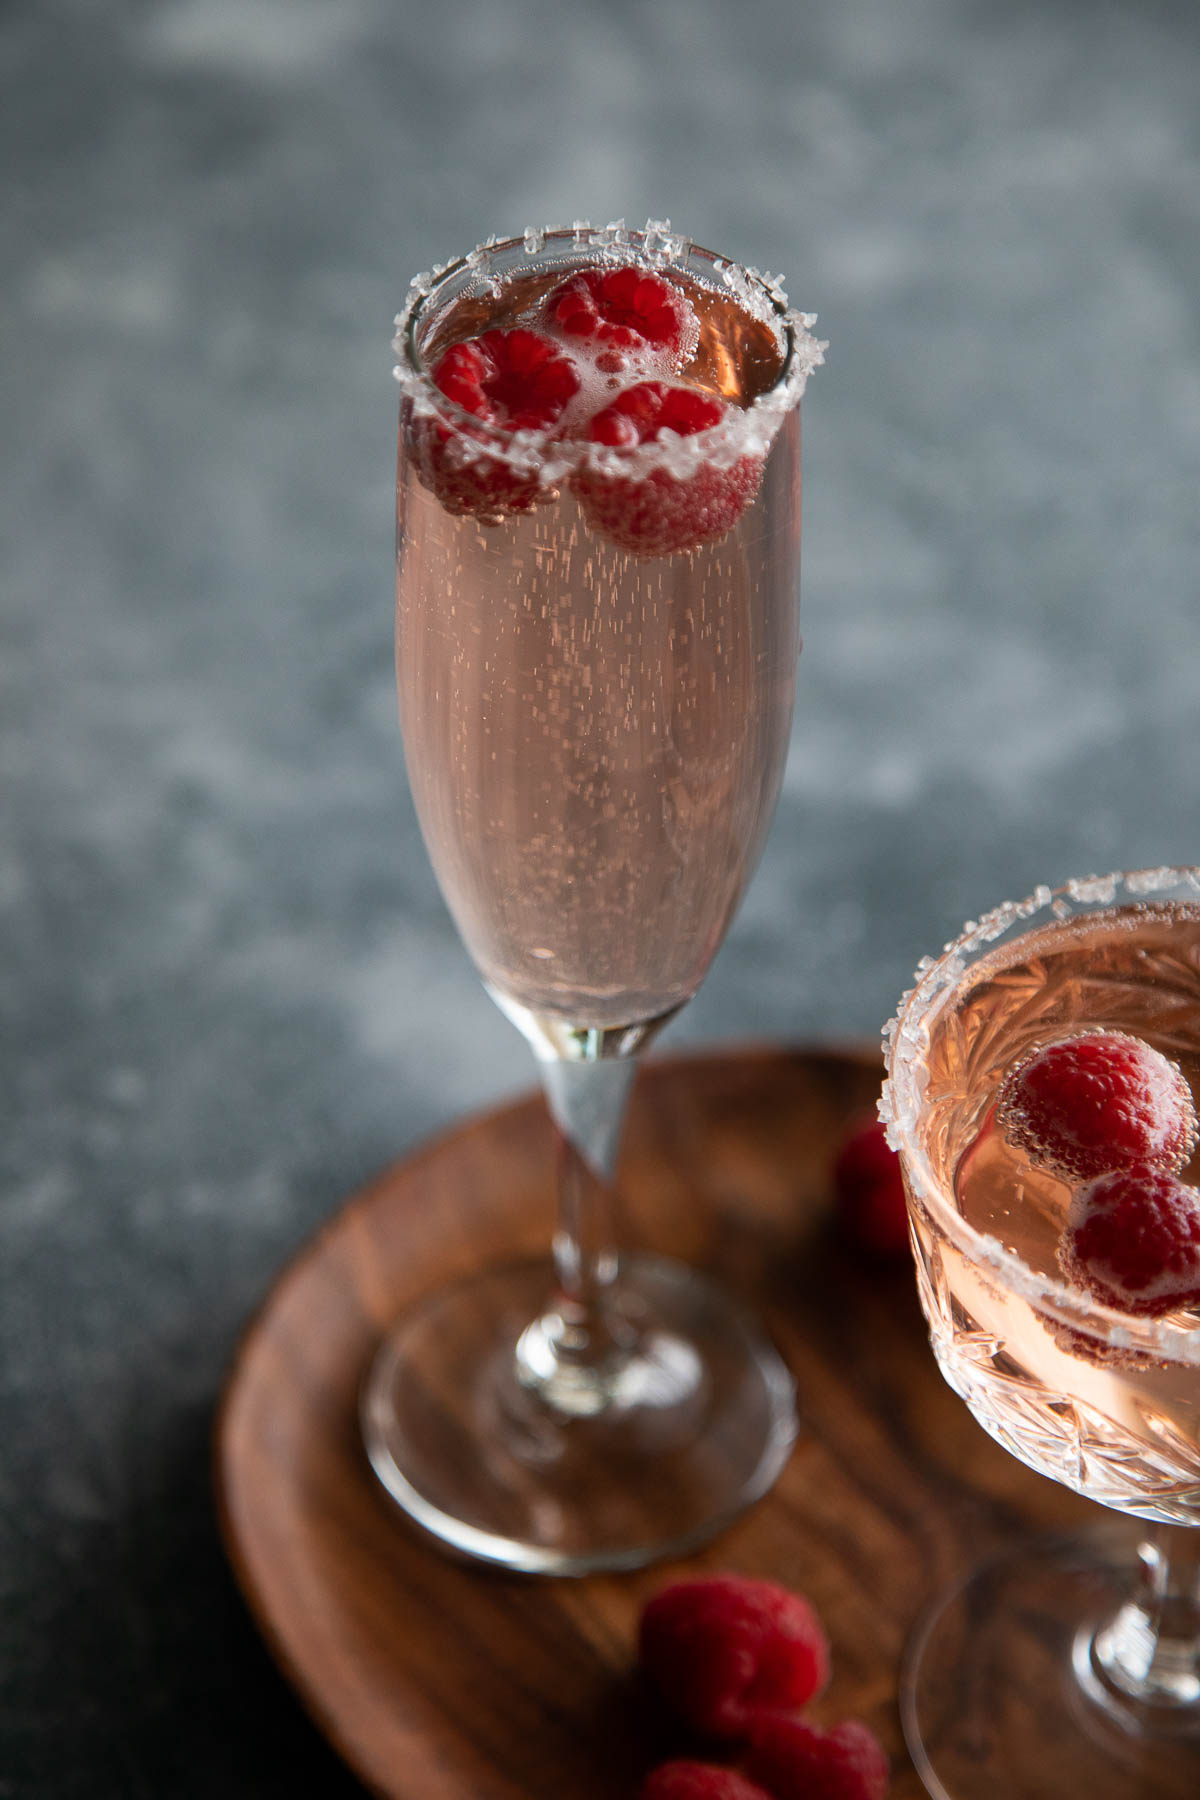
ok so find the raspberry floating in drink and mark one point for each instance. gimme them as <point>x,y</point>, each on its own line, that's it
<point>515,379</point>
<point>699,1781</point>
<point>1132,1239</point>
<point>644,412</point>
<point>1096,1101</point>
<point>625,309</point>
<point>510,380</point>
<point>724,1648</point>
<point>635,389</point>
<point>795,1761</point>
<point>659,511</point>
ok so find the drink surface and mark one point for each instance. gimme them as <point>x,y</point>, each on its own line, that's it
<point>1089,1408</point>
<point>737,355</point>
<point>595,738</point>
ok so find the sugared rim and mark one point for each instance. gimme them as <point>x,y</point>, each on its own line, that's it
<point>743,430</point>
<point>906,1043</point>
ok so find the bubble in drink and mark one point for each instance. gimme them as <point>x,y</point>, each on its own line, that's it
<point>1080,1387</point>
<point>597,712</point>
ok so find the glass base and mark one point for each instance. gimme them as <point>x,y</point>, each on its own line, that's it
<point>1003,1693</point>
<point>699,1421</point>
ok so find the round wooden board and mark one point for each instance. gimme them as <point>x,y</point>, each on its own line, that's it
<point>438,1681</point>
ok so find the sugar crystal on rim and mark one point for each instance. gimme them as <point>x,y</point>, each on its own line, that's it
<point>906,1042</point>
<point>742,432</point>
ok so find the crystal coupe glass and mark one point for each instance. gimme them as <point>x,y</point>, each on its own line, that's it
<point>595,647</point>
<point>1073,1667</point>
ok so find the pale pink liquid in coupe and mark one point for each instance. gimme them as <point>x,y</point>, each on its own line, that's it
<point>595,739</point>
<point>1110,1418</point>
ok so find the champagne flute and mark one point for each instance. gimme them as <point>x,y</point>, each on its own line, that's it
<point>596,656</point>
<point>1072,1666</point>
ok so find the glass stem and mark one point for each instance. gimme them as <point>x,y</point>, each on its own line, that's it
<point>1150,1650</point>
<point>575,1353</point>
<point>587,1103</point>
<point>580,1354</point>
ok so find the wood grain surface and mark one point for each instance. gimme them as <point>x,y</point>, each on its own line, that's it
<point>439,1681</point>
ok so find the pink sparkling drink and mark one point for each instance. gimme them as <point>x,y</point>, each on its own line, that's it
<point>1067,1664</point>
<point>595,735</point>
<point>598,536</point>
<point>1104,1401</point>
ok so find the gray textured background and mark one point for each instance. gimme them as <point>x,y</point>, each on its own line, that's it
<point>230,990</point>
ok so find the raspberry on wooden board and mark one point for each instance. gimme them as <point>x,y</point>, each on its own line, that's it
<point>795,1761</point>
<point>722,1648</point>
<point>868,1190</point>
<point>699,1781</point>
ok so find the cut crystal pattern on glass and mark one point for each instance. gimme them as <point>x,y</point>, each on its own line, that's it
<point>1056,1663</point>
<point>1153,1473</point>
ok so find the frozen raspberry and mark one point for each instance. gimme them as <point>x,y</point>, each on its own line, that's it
<point>658,513</point>
<point>794,1761</point>
<point>625,309</point>
<point>512,380</point>
<point>869,1191</point>
<point>1133,1239</point>
<point>1100,1100</point>
<point>699,1781</point>
<point>722,1648</point>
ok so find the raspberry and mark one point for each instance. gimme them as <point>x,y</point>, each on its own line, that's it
<point>659,513</point>
<point>625,309</point>
<point>512,380</point>
<point>723,1648</point>
<point>1099,1100</point>
<point>869,1191</point>
<point>515,379</point>
<point>794,1761</point>
<point>645,411</point>
<point>699,1781</point>
<point>1133,1240</point>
